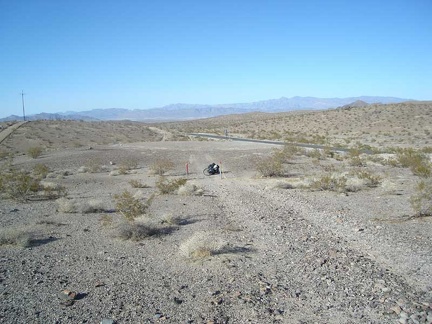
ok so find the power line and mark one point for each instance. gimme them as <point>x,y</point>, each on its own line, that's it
<point>22,98</point>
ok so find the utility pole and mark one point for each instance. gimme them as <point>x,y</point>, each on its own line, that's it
<point>22,98</point>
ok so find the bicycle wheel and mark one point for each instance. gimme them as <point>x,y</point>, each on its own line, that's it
<point>206,172</point>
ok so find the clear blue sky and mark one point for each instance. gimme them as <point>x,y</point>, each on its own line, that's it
<point>80,55</point>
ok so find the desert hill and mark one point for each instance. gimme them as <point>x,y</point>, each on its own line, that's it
<point>195,111</point>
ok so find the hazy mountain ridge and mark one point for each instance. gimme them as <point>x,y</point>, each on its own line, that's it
<point>182,111</point>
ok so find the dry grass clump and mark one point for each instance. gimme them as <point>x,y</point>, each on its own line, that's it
<point>106,220</point>
<point>40,170</point>
<point>172,220</point>
<point>371,180</point>
<point>127,165</point>
<point>202,245</point>
<point>65,205</point>
<point>15,237</point>
<point>129,206</point>
<point>51,190</point>
<point>190,189</point>
<point>72,206</point>
<point>161,166</point>
<point>138,231</point>
<point>421,200</point>
<point>93,165</point>
<point>166,186</point>
<point>138,184</point>
<point>34,152</point>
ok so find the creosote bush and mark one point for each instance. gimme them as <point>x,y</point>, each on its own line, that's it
<point>129,206</point>
<point>18,184</point>
<point>418,162</point>
<point>166,186</point>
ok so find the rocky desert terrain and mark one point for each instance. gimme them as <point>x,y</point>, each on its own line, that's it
<point>115,222</point>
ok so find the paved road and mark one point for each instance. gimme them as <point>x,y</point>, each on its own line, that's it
<point>313,146</point>
<point>7,131</point>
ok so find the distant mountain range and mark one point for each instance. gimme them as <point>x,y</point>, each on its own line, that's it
<point>195,111</point>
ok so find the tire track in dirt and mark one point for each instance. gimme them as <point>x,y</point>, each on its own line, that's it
<point>317,275</point>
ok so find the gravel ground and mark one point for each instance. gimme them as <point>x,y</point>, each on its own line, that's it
<point>281,256</point>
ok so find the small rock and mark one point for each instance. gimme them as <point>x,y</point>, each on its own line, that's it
<point>396,309</point>
<point>107,321</point>
<point>177,301</point>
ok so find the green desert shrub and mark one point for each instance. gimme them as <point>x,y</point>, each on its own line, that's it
<point>129,206</point>
<point>18,184</point>
<point>417,162</point>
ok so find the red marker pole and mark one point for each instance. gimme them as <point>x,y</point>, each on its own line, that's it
<point>220,167</point>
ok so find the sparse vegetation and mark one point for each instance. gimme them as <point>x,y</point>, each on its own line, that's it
<point>421,200</point>
<point>138,231</point>
<point>129,206</point>
<point>166,186</point>
<point>202,245</point>
<point>34,152</point>
<point>271,166</point>
<point>10,236</point>
<point>190,189</point>
<point>40,170</point>
<point>137,184</point>
<point>330,183</point>
<point>161,166</point>
<point>18,184</point>
<point>92,165</point>
<point>416,161</point>
<point>127,165</point>
<point>106,220</point>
